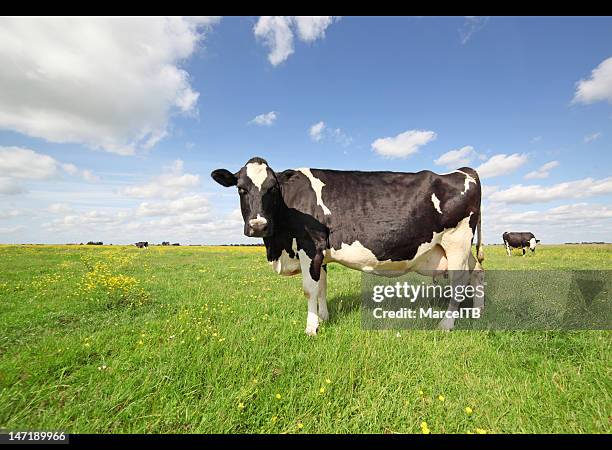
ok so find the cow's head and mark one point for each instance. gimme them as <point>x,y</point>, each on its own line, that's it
<point>532,244</point>
<point>259,192</point>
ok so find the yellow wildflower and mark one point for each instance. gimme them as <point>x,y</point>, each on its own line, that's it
<point>481,431</point>
<point>441,398</point>
<point>468,410</point>
<point>240,405</point>
<point>278,396</point>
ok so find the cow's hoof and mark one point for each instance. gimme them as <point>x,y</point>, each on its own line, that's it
<point>323,316</point>
<point>311,331</point>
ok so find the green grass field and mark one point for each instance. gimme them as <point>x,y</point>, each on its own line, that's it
<point>211,340</point>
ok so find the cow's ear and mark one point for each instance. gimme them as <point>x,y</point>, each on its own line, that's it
<point>537,240</point>
<point>224,177</point>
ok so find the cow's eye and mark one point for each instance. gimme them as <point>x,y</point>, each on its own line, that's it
<point>242,191</point>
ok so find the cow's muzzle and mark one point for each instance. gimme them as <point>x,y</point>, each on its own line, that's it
<point>257,227</point>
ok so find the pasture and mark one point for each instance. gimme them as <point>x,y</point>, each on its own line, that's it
<point>211,340</point>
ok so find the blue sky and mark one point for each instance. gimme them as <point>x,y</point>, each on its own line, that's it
<point>109,128</point>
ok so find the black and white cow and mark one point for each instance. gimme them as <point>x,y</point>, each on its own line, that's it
<point>142,244</point>
<point>386,223</point>
<point>520,240</point>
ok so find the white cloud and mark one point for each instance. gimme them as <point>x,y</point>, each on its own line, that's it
<point>194,205</point>
<point>319,131</point>
<point>189,218</point>
<point>25,164</point>
<point>404,144</point>
<point>316,131</point>
<point>566,223</point>
<point>10,230</point>
<point>9,186</point>
<point>587,187</point>
<point>536,139</point>
<point>592,137</point>
<point>471,25</point>
<point>59,208</point>
<point>168,185</point>
<point>598,87</point>
<point>543,171</point>
<point>10,214</point>
<point>457,158</point>
<point>265,119</point>
<point>311,28</point>
<point>18,164</point>
<point>501,164</point>
<point>277,33</point>
<point>111,83</point>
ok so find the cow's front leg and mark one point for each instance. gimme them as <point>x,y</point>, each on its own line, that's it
<point>311,276</point>
<point>523,248</point>
<point>323,313</point>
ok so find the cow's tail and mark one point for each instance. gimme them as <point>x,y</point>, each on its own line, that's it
<point>479,249</point>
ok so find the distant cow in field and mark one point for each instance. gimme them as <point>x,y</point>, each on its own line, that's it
<point>142,244</point>
<point>520,240</point>
<point>385,223</point>
<point>165,243</point>
<point>176,244</point>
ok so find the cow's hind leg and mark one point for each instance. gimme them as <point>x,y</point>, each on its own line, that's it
<point>457,244</point>
<point>311,277</point>
<point>323,313</point>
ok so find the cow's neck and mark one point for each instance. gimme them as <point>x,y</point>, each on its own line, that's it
<point>283,236</point>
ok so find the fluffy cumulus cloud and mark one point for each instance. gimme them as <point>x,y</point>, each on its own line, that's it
<point>501,164</point>
<point>18,164</point>
<point>598,87</point>
<point>457,158</point>
<point>265,119</point>
<point>404,144</point>
<point>577,189</point>
<point>168,185</point>
<point>277,33</point>
<point>543,171</point>
<point>89,80</point>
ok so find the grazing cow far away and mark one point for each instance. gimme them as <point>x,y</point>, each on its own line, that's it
<point>520,240</point>
<point>385,223</point>
<point>142,244</point>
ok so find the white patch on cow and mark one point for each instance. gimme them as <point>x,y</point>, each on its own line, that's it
<point>286,265</point>
<point>447,250</point>
<point>317,187</point>
<point>468,179</point>
<point>457,243</point>
<point>436,203</point>
<point>356,256</point>
<point>257,173</point>
<point>532,243</point>
<point>258,221</point>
